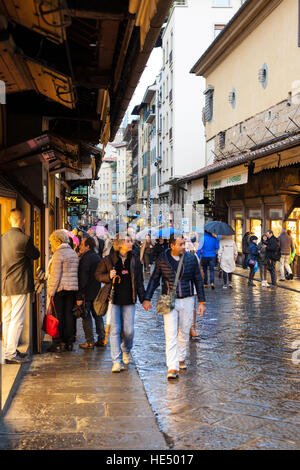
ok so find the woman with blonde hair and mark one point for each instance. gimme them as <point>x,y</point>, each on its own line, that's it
<point>62,287</point>
<point>123,265</point>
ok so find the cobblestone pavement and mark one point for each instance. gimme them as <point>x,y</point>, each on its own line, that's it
<point>73,401</point>
<point>242,389</point>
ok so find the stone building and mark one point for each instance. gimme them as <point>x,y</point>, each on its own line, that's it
<point>252,118</point>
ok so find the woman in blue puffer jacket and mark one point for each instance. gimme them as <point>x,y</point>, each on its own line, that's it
<point>253,258</point>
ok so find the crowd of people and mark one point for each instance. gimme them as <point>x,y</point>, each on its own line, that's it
<point>84,267</point>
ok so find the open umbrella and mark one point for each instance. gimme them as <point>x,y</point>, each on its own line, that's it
<point>219,228</point>
<point>147,231</point>
<point>165,232</point>
<point>100,230</point>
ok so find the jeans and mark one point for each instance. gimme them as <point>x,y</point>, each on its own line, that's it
<point>87,324</point>
<point>263,271</point>
<point>177,324</point>
<point>13,319</point>
<point>209,262</point>
<point>272,269</point>
<point>64,302</point>
<point>225,278</point>
<point>147,261</point>
<point>245,260</point>
<point>121,320</point>
<point>284,264</point>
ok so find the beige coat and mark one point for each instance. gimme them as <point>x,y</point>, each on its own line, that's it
<point>63,270</point>
<point>227,255</point>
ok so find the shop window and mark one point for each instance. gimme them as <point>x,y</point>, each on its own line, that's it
<point>276,227</point>
<point>238,237</point>
<point>293,224</point>
<point>255,227</point>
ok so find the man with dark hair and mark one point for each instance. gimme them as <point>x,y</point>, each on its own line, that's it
<point>88,290</point>
<point>18,253</point>
<point>177,322</point>
<point>273,255</point>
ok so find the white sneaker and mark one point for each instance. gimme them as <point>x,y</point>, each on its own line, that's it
<point>224,287</point>
<point>126,358</point>
<point>266,284</point>
<point>263,283</point>
<point>117,367</point>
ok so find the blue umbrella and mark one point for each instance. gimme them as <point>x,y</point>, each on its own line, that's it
<point>219,228</point>
<point>165,232</point>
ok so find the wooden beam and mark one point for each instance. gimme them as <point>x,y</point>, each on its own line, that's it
<point>92,77</point>
<point>96,15</point>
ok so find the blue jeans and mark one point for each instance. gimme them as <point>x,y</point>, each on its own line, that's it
<point>209,262</point>
<point>225,275</point>
<point>121,320</point>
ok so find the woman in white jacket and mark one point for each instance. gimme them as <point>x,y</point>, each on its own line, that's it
<point>62,287</point>
<point>227,256</point>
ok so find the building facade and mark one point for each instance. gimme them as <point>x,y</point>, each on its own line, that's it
<point>192,25</point>
<point>252,120</point>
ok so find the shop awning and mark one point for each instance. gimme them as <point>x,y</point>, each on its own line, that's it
<point>290,157</point>
<point>266,163</point>
<point>230,177</point>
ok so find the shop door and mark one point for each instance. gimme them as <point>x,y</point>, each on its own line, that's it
<point>255,227</point>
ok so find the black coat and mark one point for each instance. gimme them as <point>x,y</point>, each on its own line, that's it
<point>136,269</point>
<point>189,277</point>
<point>88,284</point>
<point>18,253</point>
<point>273,249</point>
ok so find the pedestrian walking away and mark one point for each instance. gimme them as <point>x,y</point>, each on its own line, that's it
<point>227,256</point>
<point>273,255</point>
<point>63,286</point>
<point>207,252</point>
<point>146,253</point>
<point>245,248</point>
<point>253,259</point>
<point>178,321</point>
<point>262,260</point>
<point>18,253</point>
<point>287,248</point>
<point>125,264</point>
<point>87,292</point>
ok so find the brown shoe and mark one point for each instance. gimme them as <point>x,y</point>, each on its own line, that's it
<point>86,345</point>
<point>100,344</point>
<point>173,374</point>
<point>182,365</point>
<point>193,333</point>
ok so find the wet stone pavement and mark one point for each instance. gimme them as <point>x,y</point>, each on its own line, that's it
<point>241,389</point>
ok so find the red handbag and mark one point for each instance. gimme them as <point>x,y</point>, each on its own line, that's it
<point>50,322</point>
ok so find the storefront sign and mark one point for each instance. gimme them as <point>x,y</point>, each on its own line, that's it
<point>230,177</point>
<point>77,199</point>
<point>275,213</point>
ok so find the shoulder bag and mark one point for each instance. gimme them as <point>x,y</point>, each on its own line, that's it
<point>166,302</point>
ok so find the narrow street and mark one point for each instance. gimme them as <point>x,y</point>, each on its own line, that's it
<point>241,390</point>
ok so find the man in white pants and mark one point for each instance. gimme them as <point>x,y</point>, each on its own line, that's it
<point>286,248</point>
<point>177,322</point>
<point>18,253</point>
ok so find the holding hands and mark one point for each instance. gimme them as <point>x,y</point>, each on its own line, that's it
<point>147,305</point>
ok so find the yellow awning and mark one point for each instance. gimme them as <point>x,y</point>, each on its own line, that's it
<point>281,159</point>
<point>144,11</point>
<point>290,157</point>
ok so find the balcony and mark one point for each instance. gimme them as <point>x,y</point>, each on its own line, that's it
<point>149,115</point>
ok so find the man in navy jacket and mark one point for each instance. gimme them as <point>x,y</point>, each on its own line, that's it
<point>177,322</point>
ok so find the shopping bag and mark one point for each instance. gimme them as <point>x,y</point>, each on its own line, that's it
<point>50,322</point>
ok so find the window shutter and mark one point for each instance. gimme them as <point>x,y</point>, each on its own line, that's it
<point>209,99</point>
